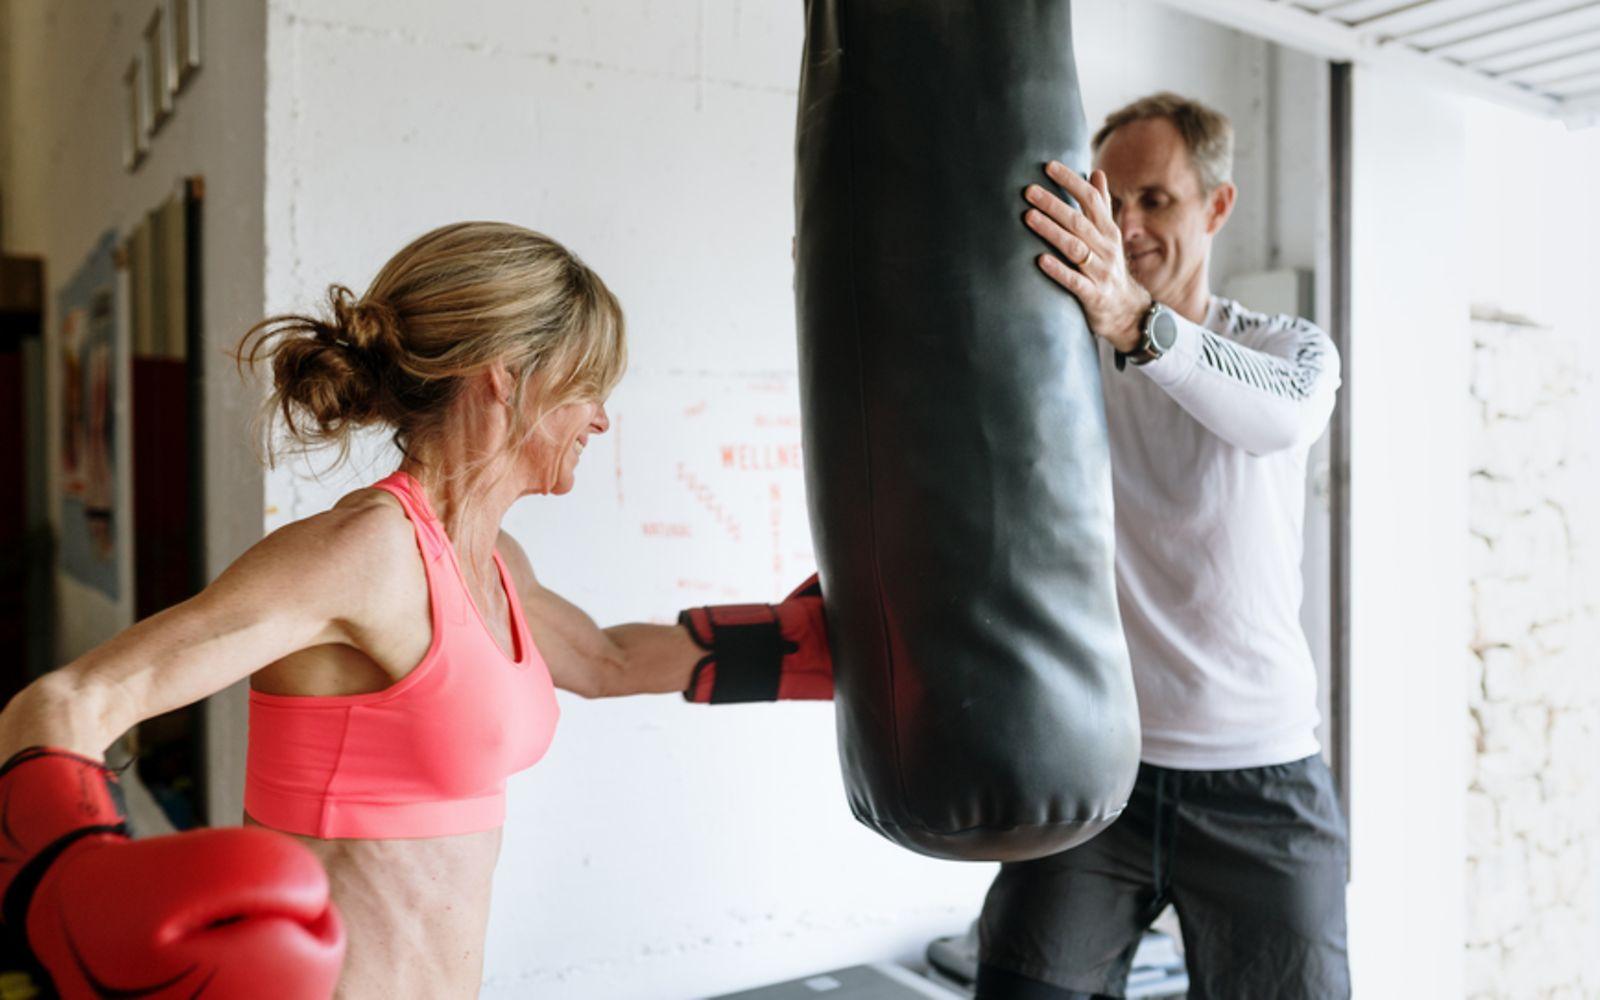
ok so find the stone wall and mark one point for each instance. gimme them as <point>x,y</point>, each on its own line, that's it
<point>1533,800</point>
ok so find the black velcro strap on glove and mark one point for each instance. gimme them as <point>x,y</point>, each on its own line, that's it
<point>19,896</point>
<point>40,819</point>
<point>745,646</point>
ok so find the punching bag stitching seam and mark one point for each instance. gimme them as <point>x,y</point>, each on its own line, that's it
<point>848,93</point>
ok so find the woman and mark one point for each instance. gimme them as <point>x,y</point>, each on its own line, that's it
<point>400,649</point>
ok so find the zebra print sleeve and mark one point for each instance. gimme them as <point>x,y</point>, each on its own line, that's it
<point>1265,384</point>
<point>1293,377</point>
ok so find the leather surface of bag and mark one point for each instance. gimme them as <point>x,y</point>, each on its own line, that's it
<point>956,459</point>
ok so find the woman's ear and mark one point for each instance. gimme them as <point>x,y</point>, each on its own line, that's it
<point>498,382</point>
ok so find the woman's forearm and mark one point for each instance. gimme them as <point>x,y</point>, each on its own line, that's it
<point>656,659</point>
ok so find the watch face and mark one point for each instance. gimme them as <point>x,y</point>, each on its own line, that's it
<point>1163,330</point>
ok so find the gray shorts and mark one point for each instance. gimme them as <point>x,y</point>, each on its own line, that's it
<point>1253,860</point>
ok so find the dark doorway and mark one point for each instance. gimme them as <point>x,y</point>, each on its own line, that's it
<point>24,532</point>
<point>163,260</point>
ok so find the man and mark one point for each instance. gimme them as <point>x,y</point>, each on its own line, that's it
<point>1211,411</point>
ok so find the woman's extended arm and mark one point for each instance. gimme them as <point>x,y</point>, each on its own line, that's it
<point>593,662</point>
<point>723,653</point>
<point>294,589</point>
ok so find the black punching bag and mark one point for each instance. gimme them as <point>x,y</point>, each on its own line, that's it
<point>955,444</point>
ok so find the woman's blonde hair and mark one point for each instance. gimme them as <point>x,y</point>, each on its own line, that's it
<point>452,303</point>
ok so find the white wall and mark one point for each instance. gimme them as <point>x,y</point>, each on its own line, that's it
<point>65,186</point>
<point>661,849</point>
<point>1533,797</point>
<point>1408,372</point>
<point>1540,224</point>
<point>1457,204</point>
<point>1533,865</point>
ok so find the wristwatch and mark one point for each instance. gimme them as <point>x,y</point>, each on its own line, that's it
<point>1158,331</point>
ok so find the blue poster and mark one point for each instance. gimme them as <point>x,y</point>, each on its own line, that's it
<point>87,317</point>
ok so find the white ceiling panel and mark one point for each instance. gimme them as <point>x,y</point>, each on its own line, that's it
<point>1540,55</point>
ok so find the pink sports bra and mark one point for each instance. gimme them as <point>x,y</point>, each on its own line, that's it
<point>427,756</point>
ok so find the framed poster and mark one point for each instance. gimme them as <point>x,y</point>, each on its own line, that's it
<point>161,73</point>
<point>185,18</point>
<point>90,365</point>
<point>136,130</point>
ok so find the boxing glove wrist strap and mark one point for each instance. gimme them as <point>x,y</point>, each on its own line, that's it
<point>746,643</point>
<point>19,894</point>
<point>67,798</point>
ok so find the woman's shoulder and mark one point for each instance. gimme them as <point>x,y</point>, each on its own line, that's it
<point>369,507</point>
<point>516,560</point>
<point>367,530</point>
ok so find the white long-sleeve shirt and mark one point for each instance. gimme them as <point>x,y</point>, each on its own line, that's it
<point>1208,454</point>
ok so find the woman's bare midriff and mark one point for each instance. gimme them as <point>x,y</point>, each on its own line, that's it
<point>415,912</point>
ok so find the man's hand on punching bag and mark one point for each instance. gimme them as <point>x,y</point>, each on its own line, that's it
<point>1089,240</point>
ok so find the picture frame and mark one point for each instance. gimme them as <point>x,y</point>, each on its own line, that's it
<point>136,130</point>
<point>184,16</point>
<point>161,73</point>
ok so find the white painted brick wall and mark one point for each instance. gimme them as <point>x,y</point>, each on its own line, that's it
<point>1533,802</point>
<point>660,851</point>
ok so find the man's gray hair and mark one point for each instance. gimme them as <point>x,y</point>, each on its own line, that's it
<point>1206,132</point>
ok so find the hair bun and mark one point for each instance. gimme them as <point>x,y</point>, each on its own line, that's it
<point>369,328</point>
<point>331,372</point>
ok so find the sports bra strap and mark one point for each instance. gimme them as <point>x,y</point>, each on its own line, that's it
<point>430,533</point>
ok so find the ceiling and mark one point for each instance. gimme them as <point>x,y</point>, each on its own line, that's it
<point>1540,55</point>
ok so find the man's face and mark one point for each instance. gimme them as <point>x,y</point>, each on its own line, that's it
<point>1167,219</point>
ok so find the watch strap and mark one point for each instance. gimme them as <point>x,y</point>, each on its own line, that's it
<point>1146,350</point>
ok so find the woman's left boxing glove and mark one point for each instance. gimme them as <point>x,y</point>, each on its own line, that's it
<point>221,913</point>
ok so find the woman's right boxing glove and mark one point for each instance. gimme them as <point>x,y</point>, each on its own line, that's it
<point>762,652</point>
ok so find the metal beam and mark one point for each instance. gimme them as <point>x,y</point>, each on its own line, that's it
<point>1341,119</point>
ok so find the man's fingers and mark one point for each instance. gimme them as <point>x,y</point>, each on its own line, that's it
<point>1096,267</point>
<point>1102,184</point>
<point>1047,229</point>
<point>1050,205</point>
<point>1097,178</point>
<point>1094,224</point>
<point>1064,276</point>
<point>1095,203</point>
<point>1067,218</point>
<point>1071,247</point>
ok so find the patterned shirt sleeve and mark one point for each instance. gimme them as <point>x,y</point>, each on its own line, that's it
<point>1265,384</point>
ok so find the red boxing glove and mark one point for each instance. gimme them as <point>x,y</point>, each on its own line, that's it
<point>762,652</point>
<point>217,914</point>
